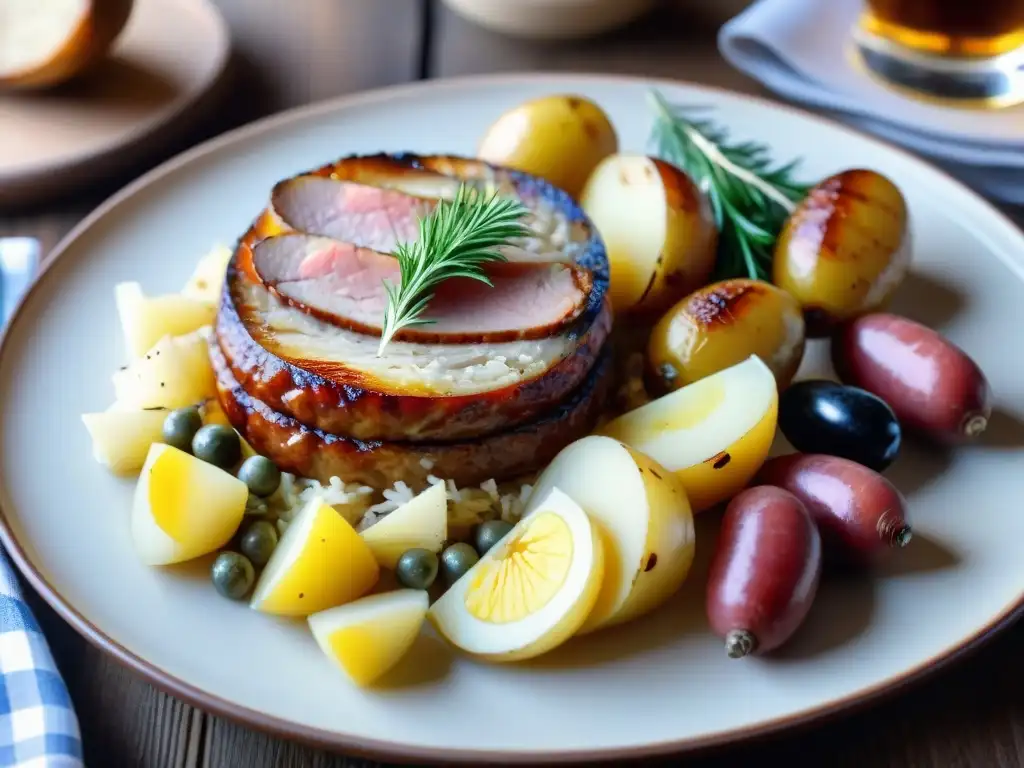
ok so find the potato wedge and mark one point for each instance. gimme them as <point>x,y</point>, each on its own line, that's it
<point>174,373</point>
<point>421,523</point>
<point>658,228</point>
<point>121,438</point>
<point>147,319</point>
<point>644,519</point>
<point>207,280</point>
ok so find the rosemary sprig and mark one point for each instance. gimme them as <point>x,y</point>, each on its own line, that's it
<point>455,240</point>
<point>750,198</point>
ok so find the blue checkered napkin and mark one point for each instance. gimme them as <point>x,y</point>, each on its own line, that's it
<point>38,727</point>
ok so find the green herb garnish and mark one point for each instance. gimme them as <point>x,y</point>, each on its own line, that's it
<point>750,198</point>
<point>455,240</point>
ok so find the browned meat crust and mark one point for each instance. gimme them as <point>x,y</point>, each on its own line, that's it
<point>320,455</point>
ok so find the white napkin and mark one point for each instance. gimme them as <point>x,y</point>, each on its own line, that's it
<point>803,50</point>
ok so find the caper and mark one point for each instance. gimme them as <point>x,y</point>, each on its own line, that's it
<point>255,506</point>
<point>217,445</point>
<point>180,426</point>
<point>258,542</point>
<point>456,560</point>
<point>260,474</point>
<point>233,575</point>
<point>490,533</point>
<point>417,569</point>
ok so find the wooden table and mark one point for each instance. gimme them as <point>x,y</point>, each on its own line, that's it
<point>290,52</point>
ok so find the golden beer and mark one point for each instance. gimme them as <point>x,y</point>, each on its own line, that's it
<point>949,27</point>
<point>956,50</point>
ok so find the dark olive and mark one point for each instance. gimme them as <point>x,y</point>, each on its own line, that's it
<point>233,575</point>
<point>490,533</point>
<point>181,426</point>
<point>416,569</point>
<point>456,560</point>
<point>217,445</point>
<point>255,506</point>
<point>260,474</point>
<point>820,416</point>
<point>258,542</point>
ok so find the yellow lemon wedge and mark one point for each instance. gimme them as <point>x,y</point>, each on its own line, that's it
<point>714,434</point>
<point>644,518</point>
<point>183,507</point>
<point>532,591</point>
<point>420,523</point>
<point>319,563</point>
<point>368,637</point>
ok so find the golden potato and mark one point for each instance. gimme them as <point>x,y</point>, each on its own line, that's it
<point>46,42</point>
<point>658,228</point>
<point>845,250</point>
<point>560,138</point>
<point>723,324</point>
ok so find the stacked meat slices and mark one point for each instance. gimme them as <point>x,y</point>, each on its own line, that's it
<point>501,380</point>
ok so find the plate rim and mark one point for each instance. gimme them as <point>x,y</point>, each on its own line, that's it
<point>380,749</point>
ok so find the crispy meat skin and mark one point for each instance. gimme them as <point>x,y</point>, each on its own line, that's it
<point>379,464</point>
<point>349,402</point>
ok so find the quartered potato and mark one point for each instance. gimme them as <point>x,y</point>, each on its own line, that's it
<point>420,523</point>
<point>184,507</point>
<point>147,319</point>
<point>713,434</point>
<point>644,517</point>
<point>723,324</point>
<point>174,373</point>
<point>207,280</point>
<point>845,250</point>
<point>560,138</point>
<point>657,227</point>
<point>121,438</point>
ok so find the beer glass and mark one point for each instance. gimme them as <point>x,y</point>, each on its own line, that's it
<point>966,51</point>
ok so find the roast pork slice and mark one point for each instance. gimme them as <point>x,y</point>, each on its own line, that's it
<point>344,284</point>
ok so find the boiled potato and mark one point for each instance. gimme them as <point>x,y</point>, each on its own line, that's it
<point>121,438</point>
<point>644,518</point>
<point>207,280</point>
<point>723,324</point>
<point>184,507</point>
<point>658,228</point>
<point>560,138</point>
<point>46,42</point>
<point>713,434</point>
<point>421,523</point>
<point>147,319</point>
<point>320,562</point>
<point>174,373</point>
<point>845,249</point>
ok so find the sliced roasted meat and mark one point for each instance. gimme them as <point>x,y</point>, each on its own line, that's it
<point>502,456</point>
<point>344,285</point>
<point>331,378</point>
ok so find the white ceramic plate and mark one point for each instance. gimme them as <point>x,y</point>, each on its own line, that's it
<point>168,57</point>
<point>658,685</point>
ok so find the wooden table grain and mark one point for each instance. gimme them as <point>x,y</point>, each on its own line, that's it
<point>290,52</point>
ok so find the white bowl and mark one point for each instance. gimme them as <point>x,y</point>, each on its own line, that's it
<point>551,19</point>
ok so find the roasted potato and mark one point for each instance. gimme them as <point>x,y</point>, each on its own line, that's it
<point>723,324</point>
<point>658,229</point>
<point>845,250</point>
<point>560,138</point>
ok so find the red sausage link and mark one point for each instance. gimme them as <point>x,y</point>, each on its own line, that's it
<point>765,571</point>
<point>931,384</point>
<point>861,515</point>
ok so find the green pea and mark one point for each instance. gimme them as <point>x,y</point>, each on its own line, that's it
<point>417,569</point>
<point>258,542</point>
<point>456,560</point>
<point>260,474</point>
<point>180,427</point>
<point>232,575</point>
<point>217,445</point>
<point>490,533</point>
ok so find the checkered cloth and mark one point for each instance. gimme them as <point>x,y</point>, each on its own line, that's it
<point>38,727</point>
